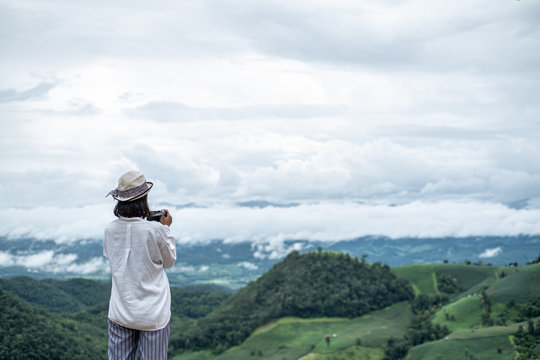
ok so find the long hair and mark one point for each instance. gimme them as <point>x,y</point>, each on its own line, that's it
<point>135,208</point>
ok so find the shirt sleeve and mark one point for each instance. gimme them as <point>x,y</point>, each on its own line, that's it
<point>167,245</point>
<point>104,241</point>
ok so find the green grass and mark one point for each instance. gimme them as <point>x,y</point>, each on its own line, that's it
<point>534,287</point>
<point>467,313</point>
<point>424,281</point>
<point>420,276</point>
<point>480,348</point>
<point>294,338</point>
<point>467,275</point>
<point>482,343</point>
<point>352,353</point>
<point>518,284</point>
<point>492,331</point>
<point>198,355</point>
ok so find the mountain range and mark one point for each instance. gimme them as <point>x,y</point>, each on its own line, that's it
<point>234,265</point>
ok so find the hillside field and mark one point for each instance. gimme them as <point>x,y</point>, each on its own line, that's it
<point>295,338</point>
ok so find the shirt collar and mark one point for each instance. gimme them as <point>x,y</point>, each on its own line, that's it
<point>133,219</point>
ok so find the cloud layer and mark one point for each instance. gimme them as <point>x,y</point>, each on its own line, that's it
<point>50,262</point>
<point>407,110</point>
<point>269,227</point>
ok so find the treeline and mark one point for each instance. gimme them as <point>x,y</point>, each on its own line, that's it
<point>60,296</point>
<point>315,284</point>
<point>527,339</point>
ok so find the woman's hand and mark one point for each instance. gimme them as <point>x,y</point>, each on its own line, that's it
<point>167,218</point>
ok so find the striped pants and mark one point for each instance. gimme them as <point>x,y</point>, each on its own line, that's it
<point>124,342</point>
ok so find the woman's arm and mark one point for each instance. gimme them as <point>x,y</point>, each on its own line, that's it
<point>168,247</point>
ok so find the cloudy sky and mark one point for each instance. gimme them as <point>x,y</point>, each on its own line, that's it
<point>395,117</point>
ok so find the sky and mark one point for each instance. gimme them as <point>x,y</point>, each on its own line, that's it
<point>395,117</point>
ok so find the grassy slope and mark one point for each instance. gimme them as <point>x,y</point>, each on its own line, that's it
<point>423,277</point>
<point>293,338</point>
<point>467,335</point>
<point>351,353</point>
<point>481,343</point>
<point>518,284</point>
<point>489,348</point>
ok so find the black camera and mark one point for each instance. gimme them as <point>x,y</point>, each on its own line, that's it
<point>156,216</point>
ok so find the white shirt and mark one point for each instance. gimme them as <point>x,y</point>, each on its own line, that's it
<point>139,251</point>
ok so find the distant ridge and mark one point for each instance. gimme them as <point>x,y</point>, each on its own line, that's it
<point>264,203</point>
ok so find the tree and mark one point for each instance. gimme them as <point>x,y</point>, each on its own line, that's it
<point>530,327</point>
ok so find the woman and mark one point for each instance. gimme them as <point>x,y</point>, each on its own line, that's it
<point>138,252</point>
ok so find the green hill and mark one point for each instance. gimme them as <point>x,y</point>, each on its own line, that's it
<point>317,284</point>
<point>58,295</point>
<point>473,332</point>
<point>77,308</point>
<point>27,332</point>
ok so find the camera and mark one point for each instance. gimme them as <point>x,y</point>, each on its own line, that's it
<point>156,216</point>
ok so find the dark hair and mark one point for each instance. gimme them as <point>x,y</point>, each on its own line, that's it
<point>135,208</point>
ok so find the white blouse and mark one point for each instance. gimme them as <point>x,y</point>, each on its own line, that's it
<point>139,251</point>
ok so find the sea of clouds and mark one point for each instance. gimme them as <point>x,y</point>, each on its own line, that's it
<point>320,221</point>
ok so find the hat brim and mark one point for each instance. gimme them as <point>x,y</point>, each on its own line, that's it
<point>137,196</point>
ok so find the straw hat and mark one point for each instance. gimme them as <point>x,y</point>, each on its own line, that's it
<point>131,186</point>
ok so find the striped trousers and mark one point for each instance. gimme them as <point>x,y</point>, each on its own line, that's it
<point>124,342</point>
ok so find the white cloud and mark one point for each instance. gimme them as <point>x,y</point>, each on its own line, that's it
<point>36,260</point>
<point>404,103</point>
<point>268,227</point>
<point>338,221</point>
<point>247,265</point>
<point>185,268</point>
<point>52,262</point>
<point>94,265</point>
<point>57,223</point>
<point>6,259</point>
<point>489,253</point>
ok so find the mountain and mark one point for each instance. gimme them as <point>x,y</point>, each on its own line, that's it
<point>234,265</point>
<point>57,295</point>
<point>316,284</point>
